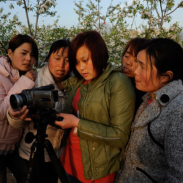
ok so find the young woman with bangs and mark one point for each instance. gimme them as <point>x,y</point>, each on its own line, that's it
<point>99,111</point>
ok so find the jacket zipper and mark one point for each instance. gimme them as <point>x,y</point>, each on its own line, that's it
<point>87,142</point>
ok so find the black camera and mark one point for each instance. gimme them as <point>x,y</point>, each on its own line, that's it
<point>40,98</point>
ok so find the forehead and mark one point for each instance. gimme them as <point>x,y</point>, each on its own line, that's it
<point>83,51</point>
<point>142,56</point>
<point>130,50</point>
<point>25,46</point>
<point>61,52</point>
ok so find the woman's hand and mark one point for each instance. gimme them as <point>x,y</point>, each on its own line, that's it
<point>21,114</point>
<point>31,75</point>
<point>69,121</point>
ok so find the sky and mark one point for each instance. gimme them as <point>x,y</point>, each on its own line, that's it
<point>68,17</point>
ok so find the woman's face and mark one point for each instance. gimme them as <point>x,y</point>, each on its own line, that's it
<point>129,64</point>
<point>22,58</point>
<point>84,64</point>
<point>59,64</point>
<point>146,78</point>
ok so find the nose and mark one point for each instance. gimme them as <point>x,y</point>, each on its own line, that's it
<point>62,63</point>
<point>28,57</point>
<point>136,70</point>
<point>82,66</point>
<point>129,62</point>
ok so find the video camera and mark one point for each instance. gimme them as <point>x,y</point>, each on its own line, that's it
<point>36,98</point>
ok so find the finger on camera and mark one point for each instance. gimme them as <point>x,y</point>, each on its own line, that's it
<point>61,115</point>
<point>27,119</point>
<point>12,112</point>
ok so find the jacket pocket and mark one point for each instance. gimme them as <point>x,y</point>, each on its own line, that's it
<point>146,174</point>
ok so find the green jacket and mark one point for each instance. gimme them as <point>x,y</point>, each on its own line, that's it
<point>106,110</point>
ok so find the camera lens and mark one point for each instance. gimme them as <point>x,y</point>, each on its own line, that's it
<point>17,101</point>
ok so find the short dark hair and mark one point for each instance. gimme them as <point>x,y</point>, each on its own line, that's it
<point>134,45</point>
<point>57,45</point>
<point>20,39</point>
<point>167,55</point>
<point>95,43</point>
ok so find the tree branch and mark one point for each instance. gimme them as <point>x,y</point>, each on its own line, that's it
<point>175,8</point>
<point>155,6</point>
<point>27,18</point>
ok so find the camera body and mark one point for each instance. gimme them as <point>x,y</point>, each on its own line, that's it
<point>40,98</point>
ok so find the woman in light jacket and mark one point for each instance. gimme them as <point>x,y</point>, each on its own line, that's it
<point>16,74</point>
<point>102,100</point>
<point>155,149</point>
<point>54,72</point>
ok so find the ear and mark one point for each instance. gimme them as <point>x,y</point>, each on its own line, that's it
<point>167,76</point>
<point>10,53</point>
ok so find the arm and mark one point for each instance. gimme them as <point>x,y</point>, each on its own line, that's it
<point>174,148</point>
<point>18,119</point>
<point>23,83</point>
<point>121,112</point>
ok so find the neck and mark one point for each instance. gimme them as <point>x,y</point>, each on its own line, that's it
<point>152,95</point>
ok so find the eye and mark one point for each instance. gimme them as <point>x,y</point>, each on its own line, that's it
<point>24,53</point>
<point>66,60</point>
<point>85,60</point>
<point>126,55</point>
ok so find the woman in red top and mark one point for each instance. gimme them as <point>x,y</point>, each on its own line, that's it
<point>102,101</point>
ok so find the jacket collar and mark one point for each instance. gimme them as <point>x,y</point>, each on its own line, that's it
<point>102,79</point>
<point>46,78</point>
<point>8,71</point>
<point>161,98</point>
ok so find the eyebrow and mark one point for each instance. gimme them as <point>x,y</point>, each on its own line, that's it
<point>25,50</point>
<point>140,62</point>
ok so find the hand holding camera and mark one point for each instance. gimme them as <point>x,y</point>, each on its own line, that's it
<point>20,114</point>
<point>69,121</point>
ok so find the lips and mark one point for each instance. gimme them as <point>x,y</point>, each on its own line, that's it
<point>26,65</point>
<point>60,72</point>
<point>84,74</point>
<point>125,69</point>
<point>136,81</point>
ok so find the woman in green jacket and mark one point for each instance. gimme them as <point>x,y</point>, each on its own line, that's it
<point>99,112</point>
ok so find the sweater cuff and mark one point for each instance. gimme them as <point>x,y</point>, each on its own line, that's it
<point>15,122</point>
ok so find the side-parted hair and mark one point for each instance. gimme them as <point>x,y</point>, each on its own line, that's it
<point>167,55</point>
<point>20,39</point>
<point>96,45</point>
<point>57,45</point>
<point>134,45</point>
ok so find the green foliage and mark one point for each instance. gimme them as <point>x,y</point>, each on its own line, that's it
<point>112,25</point>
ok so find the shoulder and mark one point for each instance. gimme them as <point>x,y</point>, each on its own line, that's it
<point>118,79</point>
<point>72,81</point>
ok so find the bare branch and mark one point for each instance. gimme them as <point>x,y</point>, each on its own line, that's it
<point>161,8</point>
<point>175,8</point>
<point>2,46</point>
<point>155,6</point>
<point>27,18</point>
<point>108,11</point>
